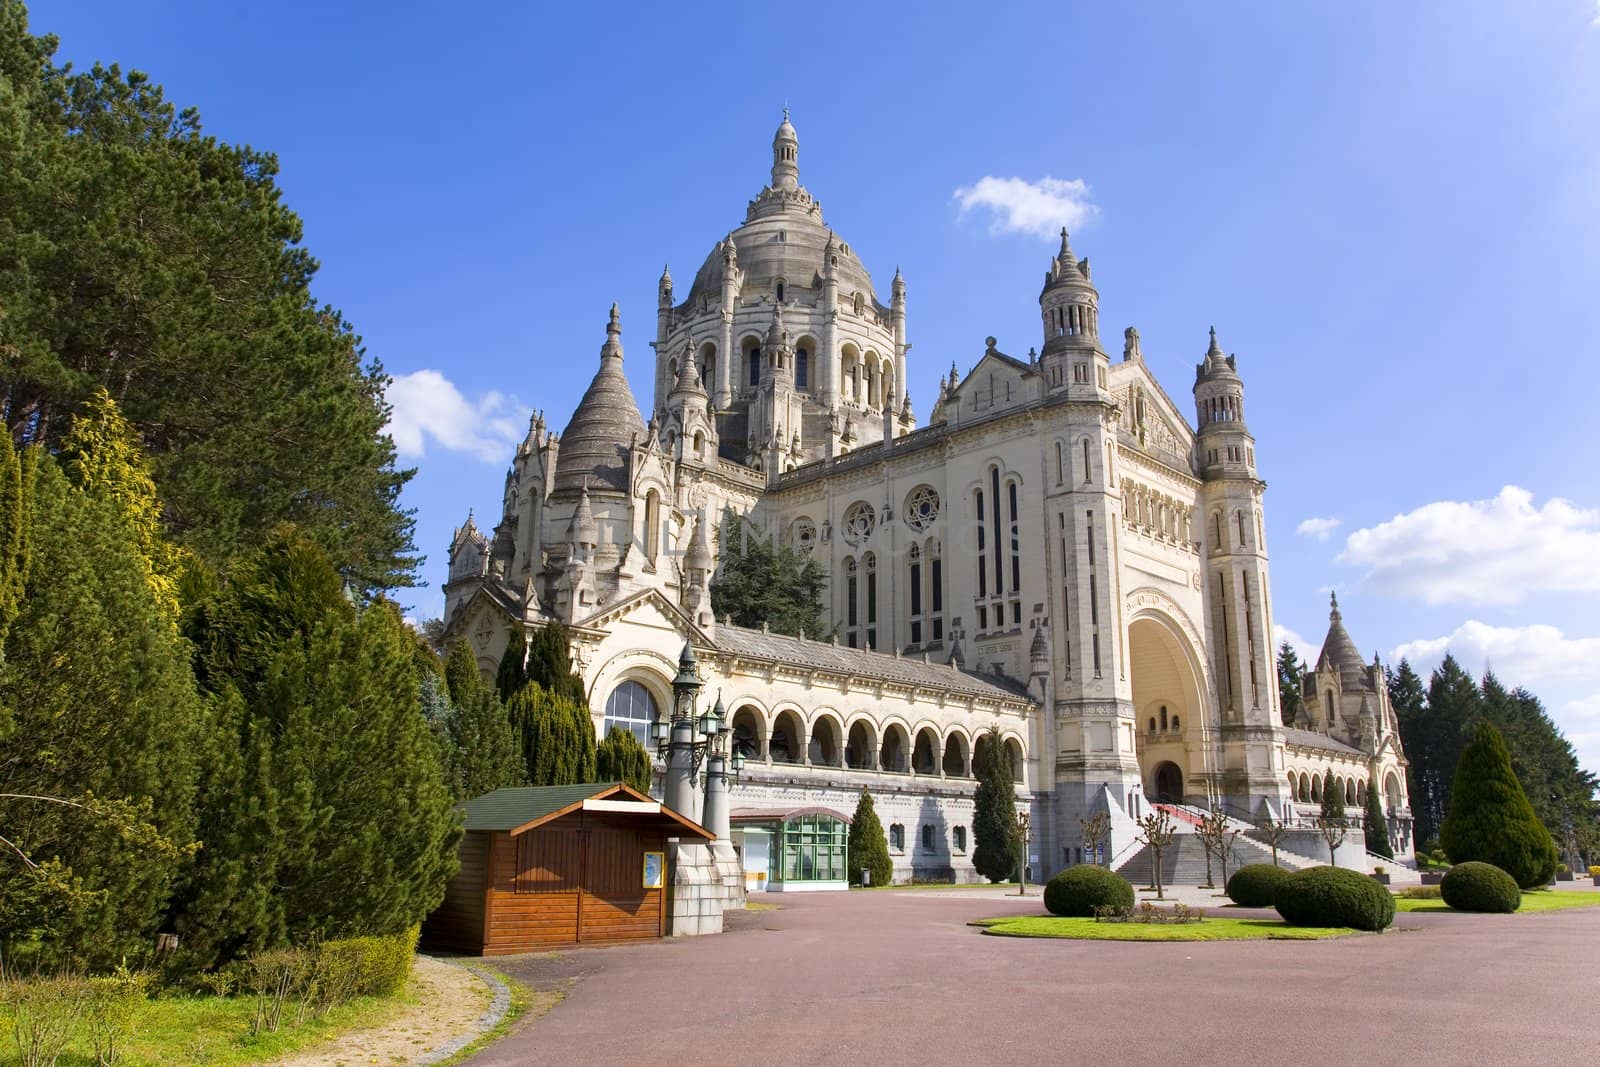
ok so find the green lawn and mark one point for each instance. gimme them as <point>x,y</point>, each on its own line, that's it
<point>184,1030</point>
<point>1538,900</point>
<point>1209,929</point>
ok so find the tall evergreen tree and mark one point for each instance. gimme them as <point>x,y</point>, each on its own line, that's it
<point>353,824</point>
<point>512,674</point>
<point>101,453</point>
<point>1490,818</point>
<point>764,582</point>
<point>1290,680</point>
<point>15,473</point>
<point>104,714</point>
<point>549,662</point>
<point>1377,825</point>
<point>552,731</point>
<point>1453,705</point>
<point>621,758</point>
<point>143,256</point>
<point>1409,699</point>
<point>868,848</point>
<point>996,850</point>
<point>1332,798</point>
<point>484,754</point>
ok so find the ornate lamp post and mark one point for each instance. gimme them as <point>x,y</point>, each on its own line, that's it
<point>687,740</point>
<point>1022,853</point>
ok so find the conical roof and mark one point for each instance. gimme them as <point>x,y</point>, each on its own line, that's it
<point>594,448</point>
<point>1339,651</point>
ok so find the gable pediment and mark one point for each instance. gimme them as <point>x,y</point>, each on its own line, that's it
<point>648,608</point>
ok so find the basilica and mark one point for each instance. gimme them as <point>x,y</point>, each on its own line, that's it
<point>1058,561</point>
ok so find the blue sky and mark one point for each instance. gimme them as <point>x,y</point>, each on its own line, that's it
<point>1389,211</point>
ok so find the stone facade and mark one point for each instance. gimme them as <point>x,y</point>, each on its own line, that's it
<point>1058,553</point>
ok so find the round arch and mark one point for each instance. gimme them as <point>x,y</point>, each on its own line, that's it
<point>824,741</point>
<point>786,740</point>
<point>749,725</point>
<point>1169,691</point>
<point>954,761</point>
<point>895,752</point>
<point>925,751</point>
<point>1015,755</point>
<point>860,744</point>
<point>1166,783</point>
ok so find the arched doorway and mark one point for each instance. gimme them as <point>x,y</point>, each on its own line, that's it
<point>1168,784</point>
<point>1167,697</point>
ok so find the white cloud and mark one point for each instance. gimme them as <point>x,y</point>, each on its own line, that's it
<point>1040,208</point>
<point>1562,671</point>
<point>1318,528</point>
<point>1302,648</point>
<point>427,406</point>
<point>1481,551</point>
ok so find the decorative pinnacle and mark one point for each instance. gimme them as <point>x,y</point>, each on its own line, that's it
<point>1333,610</point>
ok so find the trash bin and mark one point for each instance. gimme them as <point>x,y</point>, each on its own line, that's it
<point>866,876</point>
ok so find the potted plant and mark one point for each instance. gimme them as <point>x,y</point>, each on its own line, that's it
<point>1563,873</point>
<point>1380,873</point>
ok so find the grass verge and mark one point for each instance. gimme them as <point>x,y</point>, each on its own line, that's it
<point>1210,929</point>
<point>1537,900</point>
<point>179,1031</point>
<point>519,1006</point>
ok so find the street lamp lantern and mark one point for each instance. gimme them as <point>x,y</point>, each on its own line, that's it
<point>1022,852</point>
<point>660,730</point>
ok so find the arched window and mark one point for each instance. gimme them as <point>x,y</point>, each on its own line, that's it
<point>852,590</point>
<point>897,837</point>
<point>780,290</point>
<point>752,362</point>
<point>1163,716</point>
<point>871,561</point>
<point>802,368</point>
<point>1176,725</point>
<point>1086,476</point>
<point>631,707</point>
<point>936,588</point>
<point>699,444</point>
<point>1061,468</point>
<point>652,524</point>
<point>914,563</point>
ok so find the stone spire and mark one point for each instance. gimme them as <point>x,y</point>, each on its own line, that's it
<point>583,530</point>
<point>594,447</point>
<point>688,372</point>
<point>785,156</point>
<point>664,291</point>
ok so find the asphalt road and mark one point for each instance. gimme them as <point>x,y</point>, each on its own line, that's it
<point>888,977</point>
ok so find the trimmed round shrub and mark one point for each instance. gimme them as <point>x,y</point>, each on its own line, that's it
<point>1333,896</point>
<point>1256,886</point>
<point>1077,891</point>
<point>1474,886</point>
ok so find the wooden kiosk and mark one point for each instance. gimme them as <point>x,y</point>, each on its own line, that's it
<point>544,867</point>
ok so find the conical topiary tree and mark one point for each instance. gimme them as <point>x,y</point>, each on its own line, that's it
<point>868,847</point>
<point>1377,825</point>
<point>1490,819</point>
<point>996,850</point>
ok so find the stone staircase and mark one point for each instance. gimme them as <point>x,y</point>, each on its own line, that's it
<point>1183,862</point>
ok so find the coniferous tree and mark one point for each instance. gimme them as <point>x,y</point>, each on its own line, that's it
<point>1332,798</point>
<point>1290,680</point>
<point>621,758</point>
<point>104,717</point>
<point>552,731</point>
<point>1377,826</point>
<point>512,674</point>
<point>332,736</point>
<point>868,848</point>
<point>14,530</point>
<point>766,583</point>
<point>549,662</point>
<point>144,256</point>
<point>484,754</point>
<point>1490,819</point>
<point>996,852</point>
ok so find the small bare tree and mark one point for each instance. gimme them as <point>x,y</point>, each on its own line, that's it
<point>1096,828</point>
<point>1273,831</point>
<point>1155,831</point>
<point>1334,828</point>
<point>1219,839</point>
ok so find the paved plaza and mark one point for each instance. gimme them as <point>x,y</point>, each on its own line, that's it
<point>898,977</point>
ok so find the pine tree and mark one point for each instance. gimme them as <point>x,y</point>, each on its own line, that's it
<point>763,582</point>
<point>342,800</point>
<point>142,255</point>
<point>1377,826</point>
<point>997,852</point>
<point>1409,700</point>
<point>868,849</point>
<point>14,530</point>
<point>1290,682</point>
<point>1332,798</point>
<point>621,758</point>
<point>103,714</point>
<point>461,675</point>
<point>553,732</point>
<point>1490,818</point>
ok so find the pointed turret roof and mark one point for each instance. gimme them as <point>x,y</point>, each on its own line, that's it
<point>583,530</point>
<point>1340,652</point>
<point>594,448</point>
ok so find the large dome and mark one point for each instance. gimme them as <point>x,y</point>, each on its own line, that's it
<point>784,238</point>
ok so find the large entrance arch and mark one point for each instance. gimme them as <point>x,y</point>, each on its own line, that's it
<point>1169,703</point>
